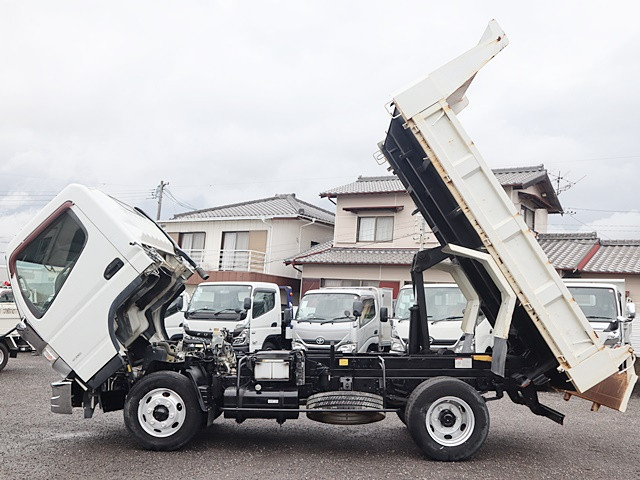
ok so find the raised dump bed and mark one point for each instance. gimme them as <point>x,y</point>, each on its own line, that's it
<point>465,205</point>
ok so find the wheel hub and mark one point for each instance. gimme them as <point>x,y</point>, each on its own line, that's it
<point>161,412</point>
<point>447,418</point>
<point>450,421</point>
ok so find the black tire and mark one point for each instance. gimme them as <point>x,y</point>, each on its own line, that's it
<point>4,355</point>
<point>173,397</point>
<point>269,345</point>
<point>402,415</point>
<point>447,418</point>
<point>345,400</point>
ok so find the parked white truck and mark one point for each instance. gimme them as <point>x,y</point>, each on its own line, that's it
<point>445,310</point>
<point>605,305</point>
<point>251,311</point>
<point>93,278</point>
<point>326,317</point>
<point>9,318</point>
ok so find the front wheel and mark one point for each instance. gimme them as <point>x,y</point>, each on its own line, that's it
<point>447,418</point>
<point>162,411</point>
<point>4,355</point>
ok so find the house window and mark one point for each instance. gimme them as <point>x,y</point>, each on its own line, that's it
<point>375,229</point>
<point>193,244</point>
<point>235,254</point>
<point>528,215</point>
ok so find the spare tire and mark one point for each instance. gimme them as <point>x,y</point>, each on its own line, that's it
<point>345,400</point>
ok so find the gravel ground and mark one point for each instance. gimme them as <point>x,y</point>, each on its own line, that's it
<point>37,444</point>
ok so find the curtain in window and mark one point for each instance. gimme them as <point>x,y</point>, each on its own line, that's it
<point>384,229</point>
<point>366,230</point>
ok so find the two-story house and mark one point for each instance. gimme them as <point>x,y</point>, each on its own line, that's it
<point>249,241</point>
<point>377,234</point>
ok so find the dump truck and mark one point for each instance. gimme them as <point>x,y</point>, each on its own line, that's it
<point>93,277</point>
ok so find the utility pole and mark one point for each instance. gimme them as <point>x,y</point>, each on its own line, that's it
<point>158,194</point>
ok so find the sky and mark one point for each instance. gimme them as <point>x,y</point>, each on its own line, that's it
<point>233,101</point>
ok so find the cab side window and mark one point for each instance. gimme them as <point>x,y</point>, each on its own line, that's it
<point>263,301</point>
<point>44,263</point>
<point>368,311</point>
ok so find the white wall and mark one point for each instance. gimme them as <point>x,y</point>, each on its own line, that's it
<point>406,227</point>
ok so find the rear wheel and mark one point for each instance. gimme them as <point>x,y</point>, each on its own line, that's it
<point>162,411</point>
<point>447,418</point>
<point>269,345</point>
<point>4,355</point>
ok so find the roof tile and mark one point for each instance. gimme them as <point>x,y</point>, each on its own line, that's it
<point>278,206</point>
<point>615,256</point>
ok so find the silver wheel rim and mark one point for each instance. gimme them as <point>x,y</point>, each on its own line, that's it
<point>450,421</point>
<point>161,412</point>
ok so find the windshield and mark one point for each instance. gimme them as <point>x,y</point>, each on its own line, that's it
<point>404,302</point>
<point>597,303</point>
<point>318,307</point>
<point>443,303</point>
<point>219,299</point>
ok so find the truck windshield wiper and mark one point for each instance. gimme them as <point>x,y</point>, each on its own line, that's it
<point>309,319</point>
<point>198,310</point>
<point>234,310</point>
<point>337,318</point>
<point>453,317</point>
<point>601,317</point>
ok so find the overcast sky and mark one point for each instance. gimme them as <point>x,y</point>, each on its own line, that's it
<point>233,101</point>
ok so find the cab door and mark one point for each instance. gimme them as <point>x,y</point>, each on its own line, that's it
<point>265,318</point>
<point>368,324</point>
<point>67,265</point>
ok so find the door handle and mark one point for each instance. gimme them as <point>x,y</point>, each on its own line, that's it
<point>113,268</point>
<point>375,332</point>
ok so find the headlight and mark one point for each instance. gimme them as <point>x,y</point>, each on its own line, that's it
<point>297,345</point>
<point>347,348</point>
<point>397,346</point>
<point>242,338</point>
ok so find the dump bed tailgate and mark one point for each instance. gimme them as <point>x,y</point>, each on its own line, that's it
<point>464,204</point>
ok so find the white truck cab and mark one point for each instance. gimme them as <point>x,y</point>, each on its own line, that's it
<point>445,311</point>
<point>249,310</point>
<point>351,319</point>
<point>93,277</point>
<point>603,303</point>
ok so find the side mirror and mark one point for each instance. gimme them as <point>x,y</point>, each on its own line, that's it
<point>631,310</point>
<point>287,316</point>
<point>180,303</point>
<point>247,304</point>
<point>357,308</point>
<point>612,326</point>
<point>384,314</point>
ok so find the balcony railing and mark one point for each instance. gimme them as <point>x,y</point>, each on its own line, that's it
<point>229,260</point>
<point>197,255</point>
<point>242,260</point>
